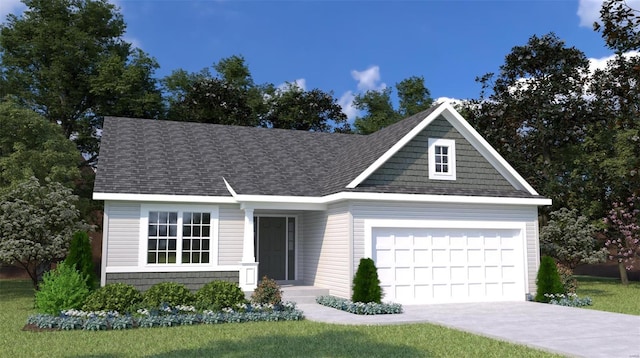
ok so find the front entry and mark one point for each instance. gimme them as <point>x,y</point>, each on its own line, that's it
<point>275,246</point>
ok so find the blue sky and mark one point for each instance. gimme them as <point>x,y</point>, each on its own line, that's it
<point>348,47</point>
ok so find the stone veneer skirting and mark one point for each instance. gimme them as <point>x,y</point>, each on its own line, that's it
<point>192,280</point>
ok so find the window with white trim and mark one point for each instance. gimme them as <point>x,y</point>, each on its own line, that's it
<point>179,236</point>
<point>442,159</point>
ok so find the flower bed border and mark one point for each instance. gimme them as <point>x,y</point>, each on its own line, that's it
<point>359,308</point>
<point>163,317</point>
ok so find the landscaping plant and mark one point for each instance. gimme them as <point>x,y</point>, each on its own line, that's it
<point>267,292</point>
<point>61,289</point>
<point>168,293</point>
<point>118,297</point>
<point>366,285</point>
<point>569,238</point>
<point>548,280</point>
<point>217,295</point>
<point>80,257</point>
<point>569,282</point>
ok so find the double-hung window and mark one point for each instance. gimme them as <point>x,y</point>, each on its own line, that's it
<point>442,159</point>
<point>179,236</point>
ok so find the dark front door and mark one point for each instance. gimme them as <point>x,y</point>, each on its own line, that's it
<point>272,247</point>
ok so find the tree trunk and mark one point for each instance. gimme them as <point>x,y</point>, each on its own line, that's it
<point>623,273</point>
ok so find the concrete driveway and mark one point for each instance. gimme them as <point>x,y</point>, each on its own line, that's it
<point>569,331</point>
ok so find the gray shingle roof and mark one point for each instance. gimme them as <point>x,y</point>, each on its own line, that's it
<point>142,156</point>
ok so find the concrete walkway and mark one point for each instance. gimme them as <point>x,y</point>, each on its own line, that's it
<point>574,332</point>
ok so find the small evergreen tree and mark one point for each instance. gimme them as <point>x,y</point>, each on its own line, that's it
<point>366,285</point>
<point>548,280</point>
<point>80,257</point>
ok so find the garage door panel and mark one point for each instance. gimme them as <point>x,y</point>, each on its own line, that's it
<point>425,265</point>
<point>404,257</point>
<point>440,256</point>
<point>458,256</point>
<point>422,256</point>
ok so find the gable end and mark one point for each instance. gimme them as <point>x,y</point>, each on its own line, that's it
<point>409,167</point>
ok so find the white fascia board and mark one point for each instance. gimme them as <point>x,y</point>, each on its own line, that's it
<point>165,198</point>
<point>427,198</point>
<point>503,167</point>
<point>396,147</point>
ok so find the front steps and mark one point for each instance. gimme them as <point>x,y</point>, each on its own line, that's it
<point>302,294</point>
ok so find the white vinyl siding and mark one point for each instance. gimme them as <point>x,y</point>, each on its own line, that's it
<point>325,251</point>
<point>527,215</point>
<point>122,234</point>
<point>230,235</point>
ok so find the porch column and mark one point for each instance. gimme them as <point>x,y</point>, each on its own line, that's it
<point>248,265</point>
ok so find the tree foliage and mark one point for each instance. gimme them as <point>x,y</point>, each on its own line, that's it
<point>569,238</point>
<point>620,26</point>
<point>378,109</point>
<point>37,222</point>
<point>295,108</point>
<point>230,96</point>
<point>67,60</point>
<point>534,113</point>
<point>624,232</point>
<point>30,146</point>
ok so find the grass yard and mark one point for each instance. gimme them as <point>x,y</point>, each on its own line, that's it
<point>262,339</point>
<point>610,295</point>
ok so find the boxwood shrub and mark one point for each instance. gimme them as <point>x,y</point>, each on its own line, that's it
<point>169,293</point>
<point>217,295</point>
<point>113,297</point>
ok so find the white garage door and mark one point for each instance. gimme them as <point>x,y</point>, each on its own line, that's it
<point>426,265</point>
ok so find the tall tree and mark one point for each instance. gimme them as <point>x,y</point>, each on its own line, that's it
<point>534,114</point>
<point>67,60</point>
<point>32,147</point>
<point>620,26</point>
<point>230,96</point>
<point>413,97</point>
<point>295,108</point>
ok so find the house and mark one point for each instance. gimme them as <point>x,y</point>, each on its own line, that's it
<point>442,214</point>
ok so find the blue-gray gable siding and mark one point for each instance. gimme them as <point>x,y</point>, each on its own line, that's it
<point>410,165</point>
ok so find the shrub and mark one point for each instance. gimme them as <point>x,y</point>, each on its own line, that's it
<point>366,285</point>
<point>118,297</point>
<point>80,257</point>
<point>569,238</point>
<point>219,294</point>
<point>169,293</point>
<point>569,282</point>
<point>267,292</point>
<point>61,289</point>
<point>548,280</point>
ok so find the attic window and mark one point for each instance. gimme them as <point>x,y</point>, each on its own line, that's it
<point>442,159</point>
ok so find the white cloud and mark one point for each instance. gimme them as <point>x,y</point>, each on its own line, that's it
<point>601,63</point>
<point>453,101</point>
<point>346,102</point>
<point>589,10</point>
<point>10,7</point>
<point>368,79</point>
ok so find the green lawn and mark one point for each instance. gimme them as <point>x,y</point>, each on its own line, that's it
<point>264,339</point>
<point>609,294</point>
